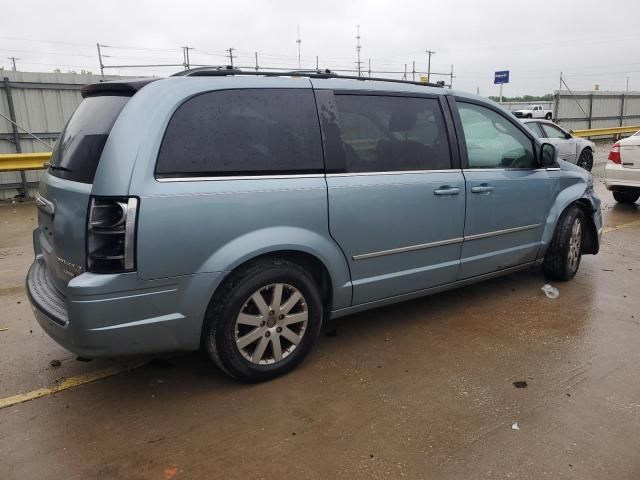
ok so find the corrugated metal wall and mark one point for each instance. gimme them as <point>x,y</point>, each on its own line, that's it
<point>598,109</point>
<point>512,106</point>
<point>43,103</point>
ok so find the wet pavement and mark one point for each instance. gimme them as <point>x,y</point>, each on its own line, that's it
<point>422,389</point>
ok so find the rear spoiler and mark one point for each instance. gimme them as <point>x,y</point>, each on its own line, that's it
<point>116,87</point>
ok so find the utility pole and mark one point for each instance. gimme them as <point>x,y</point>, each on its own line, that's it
<point>627,84</point>
<point>560,87</point>
<point>256,54</point>
<point>185,56</point>
<point>299,42</point>
<point>452,77</point>
<point>404,77</point>
<point>413,71</point>
<point>13,62</point>
<point>317,67</point>
<point>100,62</point>
<point>358,48</point>
<point>369,68</point>
<point>230,50</point>
<point>429,52</point>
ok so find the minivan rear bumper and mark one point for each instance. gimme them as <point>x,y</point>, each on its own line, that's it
<point>119,314</point>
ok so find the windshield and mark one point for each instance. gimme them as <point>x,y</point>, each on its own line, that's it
<point>80,145</point>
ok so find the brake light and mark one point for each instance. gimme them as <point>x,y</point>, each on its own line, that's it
<point>614,154</point>
<point>111,233</point>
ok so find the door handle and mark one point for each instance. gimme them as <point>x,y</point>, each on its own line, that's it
<point>483,189</point>
<point>447,191</point>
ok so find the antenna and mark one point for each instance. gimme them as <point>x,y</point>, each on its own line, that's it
<point>299,42</point>
<point>230,50</point>
<point>358,48</point>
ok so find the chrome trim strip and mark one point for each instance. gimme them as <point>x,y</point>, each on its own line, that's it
<point>504,169</point>
<point>441,243</point>
<point>239,177</point>
<point>501,232</point>
<point>552,169</point>
<point>429,291</point>
<point>130,234</point>
<point>44,204</point>
<point>400,172</point>
<point>411,248</point>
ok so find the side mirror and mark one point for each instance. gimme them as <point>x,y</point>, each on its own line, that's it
<point>568,135</point>
<point>547,155</point>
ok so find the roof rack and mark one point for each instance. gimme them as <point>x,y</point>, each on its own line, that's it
<point>228,70</point>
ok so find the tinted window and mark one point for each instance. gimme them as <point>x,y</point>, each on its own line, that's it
<point>243,132</point>
<point>551,131</point>
<point>534,127</point>
<point>492,140</point>
<point>80,145</point>
<point>381,134</point>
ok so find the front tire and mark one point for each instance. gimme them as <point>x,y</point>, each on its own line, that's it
<point>547,116</point>
<point>586,159</point>
<point>263,321</point>
<point>529,115</point>
<point>565,251</point>
<point>628,197</point>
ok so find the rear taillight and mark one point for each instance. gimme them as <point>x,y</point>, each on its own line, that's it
<point>614,154</point>
<point>111,235</point>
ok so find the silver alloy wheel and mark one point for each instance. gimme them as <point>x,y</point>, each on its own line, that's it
<point>271,324</point>
<point>575,244</point>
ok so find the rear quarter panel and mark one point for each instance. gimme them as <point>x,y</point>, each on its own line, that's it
<point>188,227</point>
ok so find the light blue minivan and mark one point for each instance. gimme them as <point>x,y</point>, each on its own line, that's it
<point>236,211</point>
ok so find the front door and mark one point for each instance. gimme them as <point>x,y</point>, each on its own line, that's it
<point>564,143</point>
<point>396,204</point>
<point>508,197</point>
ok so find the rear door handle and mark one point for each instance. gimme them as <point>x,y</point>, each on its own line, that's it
<point>447,191</point>
<point>484,189</point>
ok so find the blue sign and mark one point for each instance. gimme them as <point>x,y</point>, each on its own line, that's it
<point>501,77</point>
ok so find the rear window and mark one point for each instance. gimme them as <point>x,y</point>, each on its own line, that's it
<point>243,132</point>
<point>80,145</point>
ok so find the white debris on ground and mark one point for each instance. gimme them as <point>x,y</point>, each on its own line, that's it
<point>550,292</point>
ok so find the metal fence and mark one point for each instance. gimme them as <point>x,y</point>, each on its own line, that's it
<point>40,103</point>
<point>587,110</point>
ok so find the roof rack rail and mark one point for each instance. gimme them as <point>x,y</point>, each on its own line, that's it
<point>228,70</point>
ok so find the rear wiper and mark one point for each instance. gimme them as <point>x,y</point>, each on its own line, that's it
<point>57,167</point>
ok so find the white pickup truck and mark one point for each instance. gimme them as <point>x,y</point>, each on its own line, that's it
<point>534,111</point>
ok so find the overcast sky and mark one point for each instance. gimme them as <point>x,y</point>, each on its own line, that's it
<point>590,41</point>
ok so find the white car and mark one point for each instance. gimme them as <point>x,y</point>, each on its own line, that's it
<point>622,172</point>
<point>572,149</point>
<point>534,111</point>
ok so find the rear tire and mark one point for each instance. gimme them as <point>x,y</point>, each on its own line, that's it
<point>547,116</point>
<point>263,321</point>
<point>586,159</point>
<point>562,259</point>
<point>529,116</point>
<point>628,197</point>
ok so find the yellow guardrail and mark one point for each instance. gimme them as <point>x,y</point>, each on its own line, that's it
<point>609,132</point>
<point>11,162</point>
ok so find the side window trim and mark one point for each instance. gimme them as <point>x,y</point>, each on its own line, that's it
<point>336,166</point>
<point>453,104</point>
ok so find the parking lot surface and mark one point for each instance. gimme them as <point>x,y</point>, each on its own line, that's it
<point>422,389</point>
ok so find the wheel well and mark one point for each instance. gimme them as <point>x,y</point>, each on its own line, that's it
<point>309,262</point>
<point>590,243</point>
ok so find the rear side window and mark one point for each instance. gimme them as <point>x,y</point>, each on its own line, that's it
<point>387,133</point>
<point>80,145</point>
<point>243,132</point>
